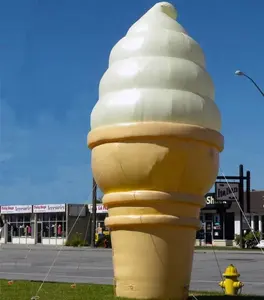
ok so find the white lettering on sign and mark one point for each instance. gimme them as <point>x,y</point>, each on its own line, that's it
<point>100,209</point>
<point>226,191</point>
<point>48,208</point>
<point>16,209</point>
<point>210,200</point>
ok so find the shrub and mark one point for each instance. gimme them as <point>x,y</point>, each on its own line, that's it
<point>101,241</point>
<point>249,239</point>
<point>108,238</point>
<point>76,241</point>
<point>237,239</point>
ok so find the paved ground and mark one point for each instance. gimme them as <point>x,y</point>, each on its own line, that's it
<point>95,266</point>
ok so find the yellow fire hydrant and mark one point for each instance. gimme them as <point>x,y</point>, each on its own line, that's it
<point>231,284</point>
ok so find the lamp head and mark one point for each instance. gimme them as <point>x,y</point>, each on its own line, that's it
<point>239,73</point>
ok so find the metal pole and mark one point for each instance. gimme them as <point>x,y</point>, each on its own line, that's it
<point>93,227</point>
<point>241,202</point>
<point>259,89</point>
<point>240,73</point>
<point>223,222</point>
<point>248,192</point>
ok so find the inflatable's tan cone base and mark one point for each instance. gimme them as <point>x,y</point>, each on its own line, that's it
<point>154,177</point>
<point>153,270</point>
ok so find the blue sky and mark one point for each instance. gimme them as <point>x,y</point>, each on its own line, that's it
<point>52,56</point>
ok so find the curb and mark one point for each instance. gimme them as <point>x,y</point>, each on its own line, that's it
<point>50,248</point>
<point>69,249</point>
<point>230,251</point>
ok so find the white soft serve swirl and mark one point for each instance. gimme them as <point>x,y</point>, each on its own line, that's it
<point>156,73</point>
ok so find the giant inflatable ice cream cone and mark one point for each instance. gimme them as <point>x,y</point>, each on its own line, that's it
<point>155,151</point>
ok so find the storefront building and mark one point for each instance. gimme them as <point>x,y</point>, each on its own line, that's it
<point>101,214</point>
<point>54,224</point>
<point>18,224</point>
<point>256,217</point>
<point>221,219</point>
<point>46,224</point>
<point>217,223</point>
<point>50,223</point>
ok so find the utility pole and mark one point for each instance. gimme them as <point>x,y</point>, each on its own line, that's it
<point>241,202</point>
<point>93,227</point>
<point>248,192</point>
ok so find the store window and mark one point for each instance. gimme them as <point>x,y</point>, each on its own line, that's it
<point>54,225</point>
<point>200,232</point>
<point>246,223</point>
<point>229,220</point>
<point>218,224</point>
<point>216,219</point>
<point>1,227</point>
<point>208,217</point>
<point>100,218</point>
<point>20,225</point>
<point>256,223</point>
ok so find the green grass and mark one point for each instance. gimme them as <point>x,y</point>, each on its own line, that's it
<point>25,290</point>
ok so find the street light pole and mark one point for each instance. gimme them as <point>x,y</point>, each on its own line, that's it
<point>240,73</point>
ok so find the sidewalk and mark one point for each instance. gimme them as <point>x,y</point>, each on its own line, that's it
<point>48,247</point>
<point>229,251</point>
<point>38,247</point>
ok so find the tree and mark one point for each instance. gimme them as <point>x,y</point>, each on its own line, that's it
<point>99,200</point>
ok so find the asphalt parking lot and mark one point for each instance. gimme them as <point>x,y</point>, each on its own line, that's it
<point>95,266</point>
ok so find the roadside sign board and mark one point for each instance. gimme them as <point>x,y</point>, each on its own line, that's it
<point>227,191</point>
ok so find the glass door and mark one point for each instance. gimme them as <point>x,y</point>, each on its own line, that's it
<point>208,228</point>
<point>39,232</point>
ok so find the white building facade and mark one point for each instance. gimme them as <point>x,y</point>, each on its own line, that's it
<point>46,224</point>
